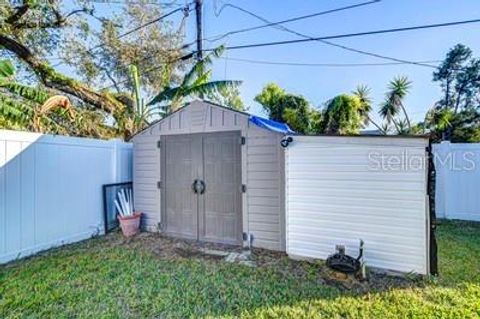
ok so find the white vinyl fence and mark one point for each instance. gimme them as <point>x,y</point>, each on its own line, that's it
<point>458,180</point>
<point>51,189</point>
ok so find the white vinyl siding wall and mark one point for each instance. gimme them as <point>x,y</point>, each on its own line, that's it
<point>336,194</point>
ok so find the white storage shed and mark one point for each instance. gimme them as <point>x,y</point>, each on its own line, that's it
<point>343,189</point>
<point>210,173</point>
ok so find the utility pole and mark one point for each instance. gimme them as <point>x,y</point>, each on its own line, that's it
<point>198,11</point>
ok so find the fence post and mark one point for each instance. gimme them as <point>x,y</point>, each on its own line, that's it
<point>115,160</point>
<point>444,163</point>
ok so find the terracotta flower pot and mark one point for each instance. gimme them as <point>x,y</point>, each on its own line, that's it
<point>130,225</point>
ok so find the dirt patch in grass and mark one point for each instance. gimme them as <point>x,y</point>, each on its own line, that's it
<point>180,249</point>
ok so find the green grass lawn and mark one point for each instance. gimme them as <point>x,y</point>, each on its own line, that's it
<point>102,279</point>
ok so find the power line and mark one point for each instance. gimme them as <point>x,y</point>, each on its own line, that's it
<point>349,35</point>
<point>347,48</point>
<point>270,24</point>
<point>322,64</point>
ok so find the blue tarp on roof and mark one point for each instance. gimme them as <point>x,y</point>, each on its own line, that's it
<point>271,125</point>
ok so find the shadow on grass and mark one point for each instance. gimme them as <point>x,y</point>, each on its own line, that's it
<point>108,278</point>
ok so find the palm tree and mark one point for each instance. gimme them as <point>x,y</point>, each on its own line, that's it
<point>403,128</point>
<point>363,94</point>
<point>195,83</point>
<point>392,106</point>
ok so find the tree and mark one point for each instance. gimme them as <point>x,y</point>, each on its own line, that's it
<point>30,30</point>
<point>344,114</point>
<point>228,96</point>
<point>292,109</point>
<point>270,99</point>
<point>297,113</point>
<point>37,109</point>
<point>393,110</point>
<point>459,78</point>
<point>465,124</point>
<point>196,83</point>
<point>151,49</point>
<point>393,105</point>
<point>363,94</point>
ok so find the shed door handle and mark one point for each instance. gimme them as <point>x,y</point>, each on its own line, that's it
<point>195,186</point>
<point>198,186</point>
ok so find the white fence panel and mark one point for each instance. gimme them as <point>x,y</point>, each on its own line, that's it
<point>343,189</point>
<point>51,189</point>
<point>458,180</point>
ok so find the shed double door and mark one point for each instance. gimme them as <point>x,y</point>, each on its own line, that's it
<point>202,187</point>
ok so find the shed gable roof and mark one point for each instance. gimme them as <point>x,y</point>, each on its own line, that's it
<point>197,113</point>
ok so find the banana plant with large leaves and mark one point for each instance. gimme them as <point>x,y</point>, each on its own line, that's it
<point>196,83</point>
<point>27,107</point>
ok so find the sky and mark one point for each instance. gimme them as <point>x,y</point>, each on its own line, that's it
<point>319,84</point>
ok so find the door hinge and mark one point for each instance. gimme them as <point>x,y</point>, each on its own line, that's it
<point>243,140</point>
<point>159,144</point>
<point>159,184</point>
<point>244,188</point>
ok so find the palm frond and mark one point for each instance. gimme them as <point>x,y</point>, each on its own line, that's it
<point>385,127</point>
<point>199,67</point>
<point>210,87</point>
<point>218,51</point>
<point>15,111</point>
<point>197,70</point>
<point>57,101</point>
<point>27,92</point>
<point>167,94</point>
<point>203,78</point>
<point>388,110</point>
<point>363,93</point>
<point>402,127</point>
<point>6,69</point>
<point>400,86</point>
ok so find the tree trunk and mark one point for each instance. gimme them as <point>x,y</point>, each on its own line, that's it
<point>396,125</point>
<point>376,125</point>
<point>52,79</point>
<point>406,117</point>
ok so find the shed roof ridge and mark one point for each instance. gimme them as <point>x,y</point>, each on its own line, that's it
<point>189,104</point>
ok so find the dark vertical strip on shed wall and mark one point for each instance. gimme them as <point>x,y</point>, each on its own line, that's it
<point>433,221</point>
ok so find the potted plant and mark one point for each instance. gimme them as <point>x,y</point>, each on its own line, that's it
<point>128,218</point>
